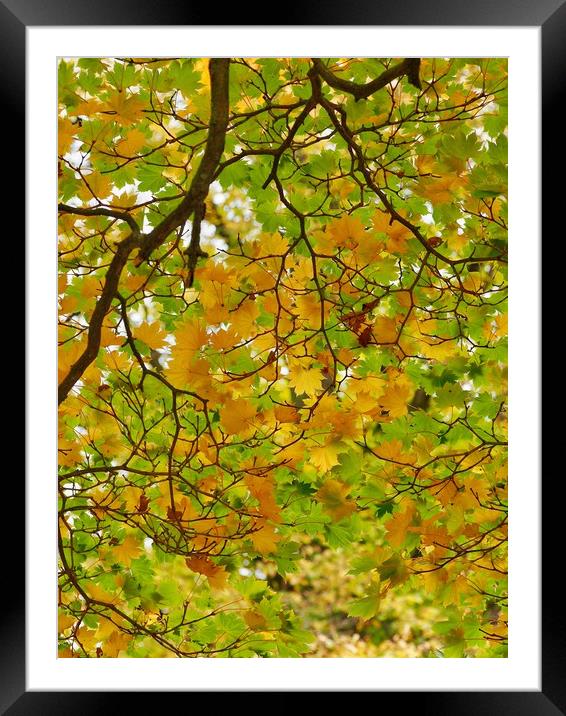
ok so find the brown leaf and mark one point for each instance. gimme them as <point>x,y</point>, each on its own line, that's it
<point>365,336</point>
<point>143,504</point>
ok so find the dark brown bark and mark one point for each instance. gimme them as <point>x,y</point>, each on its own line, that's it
<point>219,107</point>
<point>409,67</point>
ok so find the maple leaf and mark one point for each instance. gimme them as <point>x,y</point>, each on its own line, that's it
<point>272,244</point>
<point>265,538</point>
<point>125,109</point>
<point>394,451</point>
<point>305,379</point>
<point>397,233</point>
<point>131,143</point>
<point>95,591</point>
<point>152,334</point>
<point>237,416</point>
<point>118,641</point>
<point>126,551</point>
<point>215,573</point>
<point>190,336</point>
<point>287,414</point>
<point>334,496</point>
<point>244,319</point>
<point>348,231</point>
<point>192,375</point>
<point>66,131</point>
<point>368,606</point>
<point>385,330</point>
<point>255,620</point>
<point>398,526</point>
<point>87,108</point>
<point>65,621</point>
<point>263,489</point>
<point>87,638</point>
<point>440,190</point>
<point>95,185</point>
<point>324,457</point>
<point>395,399</point>
<point>143,504</point>
<point>365,336</point>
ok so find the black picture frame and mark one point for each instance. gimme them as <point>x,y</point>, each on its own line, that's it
<point>15,16</point>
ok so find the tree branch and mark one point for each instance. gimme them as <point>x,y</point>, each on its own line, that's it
<point>219,77</point>
<point>219,105</point>
<point>409,67</point>
<point>100,211</point>
<point>100,310</point>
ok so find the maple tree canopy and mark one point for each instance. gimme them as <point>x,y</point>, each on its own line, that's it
<point>283,339</point>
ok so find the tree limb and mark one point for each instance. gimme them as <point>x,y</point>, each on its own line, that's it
<point>219,106</point>
<point>100,310</point>
<point>219,76</point>
<point>410,67</point>
<point>100,211</point>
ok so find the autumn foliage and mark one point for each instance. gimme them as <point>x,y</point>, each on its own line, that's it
<point>283,349</point>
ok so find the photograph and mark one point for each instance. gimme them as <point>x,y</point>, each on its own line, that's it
<point>282,357</point>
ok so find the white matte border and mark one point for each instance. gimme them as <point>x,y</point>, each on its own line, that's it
<point>521,670</point>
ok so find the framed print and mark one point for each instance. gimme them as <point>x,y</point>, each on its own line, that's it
<point>282,380</point>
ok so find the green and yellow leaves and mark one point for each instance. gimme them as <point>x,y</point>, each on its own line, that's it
<point>327,398</point>
<point>367,606</point>
<point>334,496</point>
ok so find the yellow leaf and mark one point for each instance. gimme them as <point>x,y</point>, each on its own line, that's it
<point>99,594</point>
<point>305,379</point>
<point>440,190</point>
<point>348,231</point>
<point>243,320</point>
<point>394,451</point>
<point>397,526</point>
<point>384,330</point>
<point>87,638</point>
<point>223,339</point>
<point>90,287</point>
<point>190,336</point>
<point>128,550</point>
<point>126,109</point>
<point>87,108</point>
<point>236,416</point>
<point>152,334</point>
<point>95,185</point>
<point>109,337</point>
<point>263,489</point>
<point>309,308</point>
<point>265,538</point>
<point>324,457</point>
<point>65,133</point>
<point>65,621</point>
<point>287,414</point>
<point>117,361</point>
<point>186,374</point>
<point>117,642</point>
<point>272,245</point>
<point>132,143</point>
<point>334,496</point>
<point>397,234</point>
<point>255,620</point>
<point>395,399</point>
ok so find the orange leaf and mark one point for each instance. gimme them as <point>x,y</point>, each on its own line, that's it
<point>216,574</point>
<point>265,538</point>
<point>334,496</point>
